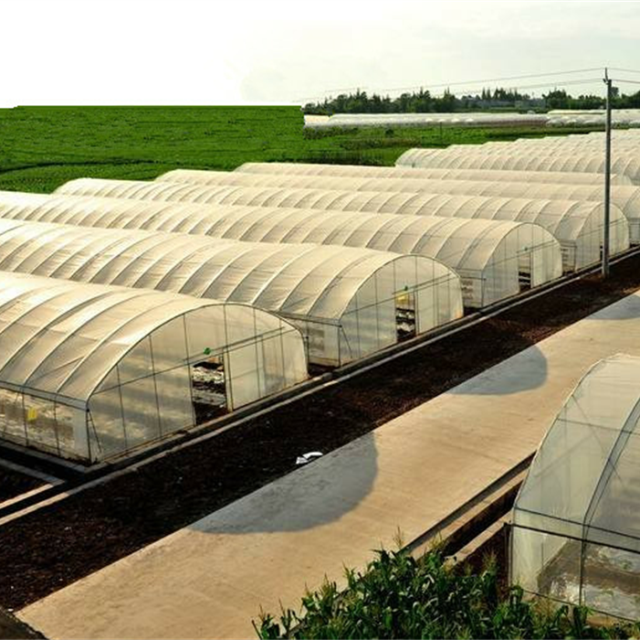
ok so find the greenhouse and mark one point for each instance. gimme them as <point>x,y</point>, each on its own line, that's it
<point>577,226</point>
<point>557,217</point>
<point>544,146</point>
<point>494,259</point>
<point>347,302</point>
<point>575,535</point>
<point>469,119</point>
<point>516,186</point>
<point>592,162</point>
<point>588,143</point>
<point>358,171</point>
<point>89,372</point>
<point>625,199</point>
<point>594,117</point>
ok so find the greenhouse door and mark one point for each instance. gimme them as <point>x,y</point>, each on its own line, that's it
<point>525,269</point>
<point>405,314</point>
<point>209,388</point>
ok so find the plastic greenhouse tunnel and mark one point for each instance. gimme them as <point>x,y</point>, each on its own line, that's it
<point>89,372</point>
<point>576,522</point>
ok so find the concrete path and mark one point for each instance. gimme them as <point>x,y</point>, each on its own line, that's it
<point>210,579</point>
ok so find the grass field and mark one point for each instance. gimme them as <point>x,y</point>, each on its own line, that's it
<point>43,147</point>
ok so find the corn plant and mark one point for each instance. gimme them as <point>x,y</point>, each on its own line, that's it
<point>398,596</point>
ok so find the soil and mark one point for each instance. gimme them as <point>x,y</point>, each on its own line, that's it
<point>495,549</point>
<point>13,483</point>
<point>50,548</point>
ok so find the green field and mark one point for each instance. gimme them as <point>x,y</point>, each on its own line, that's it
<point>43,147</point>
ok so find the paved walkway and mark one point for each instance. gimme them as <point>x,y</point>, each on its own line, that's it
<point>209,579</point>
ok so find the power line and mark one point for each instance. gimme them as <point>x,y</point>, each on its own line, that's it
<point>346,89</point>
<point>626,80</point>
<point>502,79</point>
<point>530,86</point>
<point>625,70</point>
<point>325,94</point>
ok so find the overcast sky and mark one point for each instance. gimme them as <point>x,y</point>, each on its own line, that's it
<point>280,52</point>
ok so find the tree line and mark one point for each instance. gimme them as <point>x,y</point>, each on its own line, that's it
<point>489,99</point>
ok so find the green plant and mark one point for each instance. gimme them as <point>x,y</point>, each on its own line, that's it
<point>43,147</point>
<point>398,596</point>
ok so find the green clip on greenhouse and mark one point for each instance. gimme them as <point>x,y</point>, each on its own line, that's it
<point>88,372</point>
<point>576,523</point>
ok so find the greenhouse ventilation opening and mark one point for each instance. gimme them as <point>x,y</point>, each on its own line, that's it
<point>89,372</point>
<point>495,259</point>
<point>576,522</point>
<point>347,302</point>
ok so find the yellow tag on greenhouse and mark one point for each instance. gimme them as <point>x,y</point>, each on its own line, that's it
<point>32,414</point>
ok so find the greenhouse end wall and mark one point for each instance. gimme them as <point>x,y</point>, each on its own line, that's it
<point>576,532</point>
<point>159,372</point>
<point>151,393</point>
<point>397,303</point>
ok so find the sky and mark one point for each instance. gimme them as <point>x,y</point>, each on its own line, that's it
<point>194,52</point>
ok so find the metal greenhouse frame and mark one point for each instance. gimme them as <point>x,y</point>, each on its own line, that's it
<point>575,535</point>
<point>89,372</point>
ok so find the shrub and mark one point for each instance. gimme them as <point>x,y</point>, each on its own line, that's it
<point>398,596</point>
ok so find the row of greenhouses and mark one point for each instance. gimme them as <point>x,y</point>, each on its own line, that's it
<point>344,300</point>
<point>295,269</point>
<point>347,120</point>
<point>554,118</point>
<point>546,204</point>
<point>594,117</point>
<point>275,307</point>
<point>364,171</point>
<point>580,154</point>
<point>493,258</point>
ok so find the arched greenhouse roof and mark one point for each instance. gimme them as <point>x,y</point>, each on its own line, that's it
<point>541,146</point>
<point>576,532</point>
<point>404,203</point>
<point>466,246</point>
<point>522,160</point>
<point>359,171</point>
<point>316,283</point>
<point>60,339</point>
<point>566,217</point>
<point>512,188</point>
<point>588,143</point>
<point>567,222</point>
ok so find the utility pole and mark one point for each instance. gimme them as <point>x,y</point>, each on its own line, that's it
<point>607,177</point>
